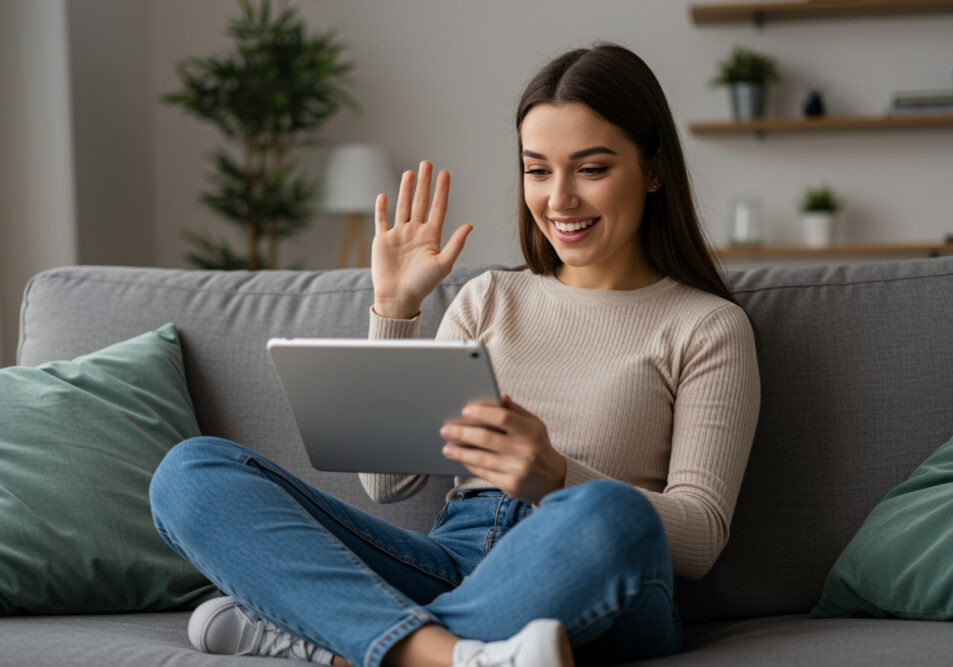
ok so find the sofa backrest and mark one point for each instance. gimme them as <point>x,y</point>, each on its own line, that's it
<point>856,391</point>
<point>224,320</point>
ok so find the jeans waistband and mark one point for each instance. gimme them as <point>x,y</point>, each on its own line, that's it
<point>477,493</point>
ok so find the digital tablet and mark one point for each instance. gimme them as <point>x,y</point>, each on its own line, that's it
<point>378,405</point>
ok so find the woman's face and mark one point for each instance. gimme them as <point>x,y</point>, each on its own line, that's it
<point>585,185</point>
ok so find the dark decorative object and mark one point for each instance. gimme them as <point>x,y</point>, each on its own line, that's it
<point>814,104</point>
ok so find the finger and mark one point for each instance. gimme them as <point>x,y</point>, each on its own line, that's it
<point>471,435</point>
<point>441,196</point>
<point>380,214</point>
<point>422,194</point>
<point>474,458</point>
<point>402,214</point>
<point>496,416</point>
<point>454,246</point>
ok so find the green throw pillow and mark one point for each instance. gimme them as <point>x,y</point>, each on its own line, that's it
<point>900,562</point>
<point>79,441</point>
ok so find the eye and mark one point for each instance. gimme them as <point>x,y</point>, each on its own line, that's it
<point>536,172</point>
<point>594,171</point>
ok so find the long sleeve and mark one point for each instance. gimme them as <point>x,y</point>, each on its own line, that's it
<point>717,398</point>
<point>716,411</point>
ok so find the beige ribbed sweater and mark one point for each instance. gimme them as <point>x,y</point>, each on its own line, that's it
<point>657,387</point>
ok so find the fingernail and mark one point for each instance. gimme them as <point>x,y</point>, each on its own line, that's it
<point>448,450</point>
<point>446,431</point>
<point>468,411</point>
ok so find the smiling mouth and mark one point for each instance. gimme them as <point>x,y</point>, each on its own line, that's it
<point>574,225</point>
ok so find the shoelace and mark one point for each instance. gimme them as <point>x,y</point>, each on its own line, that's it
<point>272,641</point>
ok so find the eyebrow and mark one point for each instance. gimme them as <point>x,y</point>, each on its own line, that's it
<point>586,152</point>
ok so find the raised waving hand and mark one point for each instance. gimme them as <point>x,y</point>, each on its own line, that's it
<point>407,262</point>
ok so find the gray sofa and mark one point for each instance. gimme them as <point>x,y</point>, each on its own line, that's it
<point>856,368</point>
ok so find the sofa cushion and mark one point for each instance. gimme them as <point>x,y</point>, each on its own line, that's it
<point>781,641</point>
<point>899,562</point>
<point>107,640</point>
<point>79,441</point>
<point>161,639</point>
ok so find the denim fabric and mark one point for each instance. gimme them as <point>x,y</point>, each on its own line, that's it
<point>593,556</point>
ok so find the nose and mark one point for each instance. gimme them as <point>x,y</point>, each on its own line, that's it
<point>563,196</point>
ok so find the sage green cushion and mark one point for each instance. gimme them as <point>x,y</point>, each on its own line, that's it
<point>900,562</point>
<point>79,441</point>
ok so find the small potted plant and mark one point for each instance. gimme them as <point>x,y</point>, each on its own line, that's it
<point>819,206</point>
<point>747,74</point>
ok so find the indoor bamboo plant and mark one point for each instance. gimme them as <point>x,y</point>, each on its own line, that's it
<point>267,96</point>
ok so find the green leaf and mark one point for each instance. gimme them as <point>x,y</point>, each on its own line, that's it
<point>746,66</point>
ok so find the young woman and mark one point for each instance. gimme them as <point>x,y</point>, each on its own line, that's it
<point>616,456</point>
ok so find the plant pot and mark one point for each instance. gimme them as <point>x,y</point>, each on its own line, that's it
<point>747,100</point>
<point>818,228</point>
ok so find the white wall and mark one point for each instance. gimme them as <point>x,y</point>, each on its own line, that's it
<point>440,80</point>
<point>37,221</point>
<point>113,105</point>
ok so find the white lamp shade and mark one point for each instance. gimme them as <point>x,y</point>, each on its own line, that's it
<point>355,174</point>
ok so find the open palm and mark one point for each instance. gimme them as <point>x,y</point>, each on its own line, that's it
<point>407,262</point>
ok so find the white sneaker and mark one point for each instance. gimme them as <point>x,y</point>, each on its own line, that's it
<point>542,643</point>
<point>221,625</point>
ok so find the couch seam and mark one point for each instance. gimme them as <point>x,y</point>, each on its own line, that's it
<point>59,276</point>
<point>55,275</point>
<point>841,284</point>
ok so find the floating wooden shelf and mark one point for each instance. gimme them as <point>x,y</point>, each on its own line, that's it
<point>760,12</point>
<point>826,123</point>
<point>885,249</point>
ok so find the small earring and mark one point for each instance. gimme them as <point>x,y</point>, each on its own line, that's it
<point>653,186</point>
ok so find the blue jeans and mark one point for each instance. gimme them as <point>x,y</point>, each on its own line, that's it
<point>593,556</point>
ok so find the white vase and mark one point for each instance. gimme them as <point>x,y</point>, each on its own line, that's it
<point>818,229</point>
<point>747,221</point>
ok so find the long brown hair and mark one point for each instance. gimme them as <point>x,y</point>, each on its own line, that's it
<point>620,87</point>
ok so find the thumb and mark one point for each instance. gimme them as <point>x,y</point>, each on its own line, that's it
<point>454,246</point>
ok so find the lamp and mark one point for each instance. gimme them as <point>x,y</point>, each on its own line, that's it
<point>355,174</point>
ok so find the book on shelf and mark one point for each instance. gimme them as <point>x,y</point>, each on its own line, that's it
<point>929,101</point>
<point>921,110</point>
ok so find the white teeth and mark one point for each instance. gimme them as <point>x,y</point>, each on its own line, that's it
<point>574,226</point>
